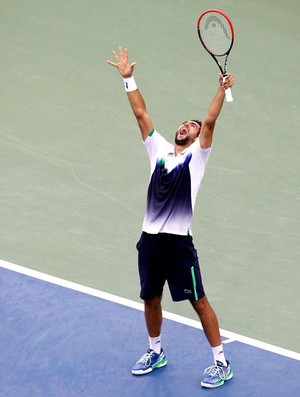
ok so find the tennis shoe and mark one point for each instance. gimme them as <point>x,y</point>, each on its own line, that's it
<point>216,375</point>
<point>148,362</point>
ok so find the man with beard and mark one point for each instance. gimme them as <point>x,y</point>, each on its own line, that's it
<point>165,250</point>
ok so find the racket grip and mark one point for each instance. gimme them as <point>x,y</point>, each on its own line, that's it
<point>228,94</point>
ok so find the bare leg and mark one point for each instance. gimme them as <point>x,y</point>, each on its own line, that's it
<point>153,315</point>
<point>209,321</point>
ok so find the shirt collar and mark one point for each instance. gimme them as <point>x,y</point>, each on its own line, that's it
<point>171,151</point>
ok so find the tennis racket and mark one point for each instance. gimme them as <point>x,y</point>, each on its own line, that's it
<point>216,34</point>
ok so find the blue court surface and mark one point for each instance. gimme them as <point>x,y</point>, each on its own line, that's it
<point>59,341</point>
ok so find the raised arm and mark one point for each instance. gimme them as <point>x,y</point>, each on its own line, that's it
<point>135,98</point>
<point>214,110</point>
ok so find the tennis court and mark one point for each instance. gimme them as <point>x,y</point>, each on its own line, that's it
<point>73,186</point>
<point>79,341</point>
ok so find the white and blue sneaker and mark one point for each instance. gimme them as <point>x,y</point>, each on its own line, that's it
<point>148,362</point>
<point>216,375</point>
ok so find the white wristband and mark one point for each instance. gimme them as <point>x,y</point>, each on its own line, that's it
<point>129,84</point>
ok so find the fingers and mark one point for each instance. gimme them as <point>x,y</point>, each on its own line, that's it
<point>119,58</point>
<point>112,64</point>
<point>122,55</point>
<point>121,62</point>
<point>226,81</point>
<point>126,54</point>
<point>116,56</point>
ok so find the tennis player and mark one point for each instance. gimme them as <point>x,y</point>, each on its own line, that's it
<point>165,250</point>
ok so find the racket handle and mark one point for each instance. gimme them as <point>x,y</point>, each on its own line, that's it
<point>228,94</point>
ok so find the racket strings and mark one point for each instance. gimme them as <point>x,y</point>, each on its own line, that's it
<point>215,33</point>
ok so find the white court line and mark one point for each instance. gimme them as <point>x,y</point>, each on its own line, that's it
<point>139,306</point>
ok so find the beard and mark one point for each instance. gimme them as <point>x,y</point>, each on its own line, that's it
<point>181,142</point>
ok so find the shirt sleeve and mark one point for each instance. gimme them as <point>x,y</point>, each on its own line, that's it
<point>153,143</point>
<point>201,154</point>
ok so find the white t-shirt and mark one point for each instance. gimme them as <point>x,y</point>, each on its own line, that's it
<point>173,185</point>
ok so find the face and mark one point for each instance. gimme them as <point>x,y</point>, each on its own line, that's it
<point>187,133</point>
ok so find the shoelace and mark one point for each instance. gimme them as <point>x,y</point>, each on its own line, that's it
<point>146,359</point>
<point>215,370</point>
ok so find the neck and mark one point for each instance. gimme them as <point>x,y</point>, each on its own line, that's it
<point>180,148</point>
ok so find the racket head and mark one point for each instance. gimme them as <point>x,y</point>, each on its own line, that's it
<point>215,31</point>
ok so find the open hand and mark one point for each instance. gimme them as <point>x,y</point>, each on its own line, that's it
<point>125,68</point>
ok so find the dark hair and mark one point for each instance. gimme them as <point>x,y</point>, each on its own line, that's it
<point>195,121</point>
<point>198,122</point>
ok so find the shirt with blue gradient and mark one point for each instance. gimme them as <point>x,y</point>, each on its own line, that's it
<point>173,186</point>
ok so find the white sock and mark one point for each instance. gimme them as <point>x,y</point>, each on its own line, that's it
<point>219,355</point>
<point>155,344</point>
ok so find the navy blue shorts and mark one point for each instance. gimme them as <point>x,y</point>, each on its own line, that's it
<point>168,257</point>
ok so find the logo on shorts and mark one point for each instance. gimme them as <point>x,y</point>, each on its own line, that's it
<point>187,291</point>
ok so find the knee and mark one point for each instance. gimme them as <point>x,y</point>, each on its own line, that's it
<point>153,303</point>
<point>201,305</point>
